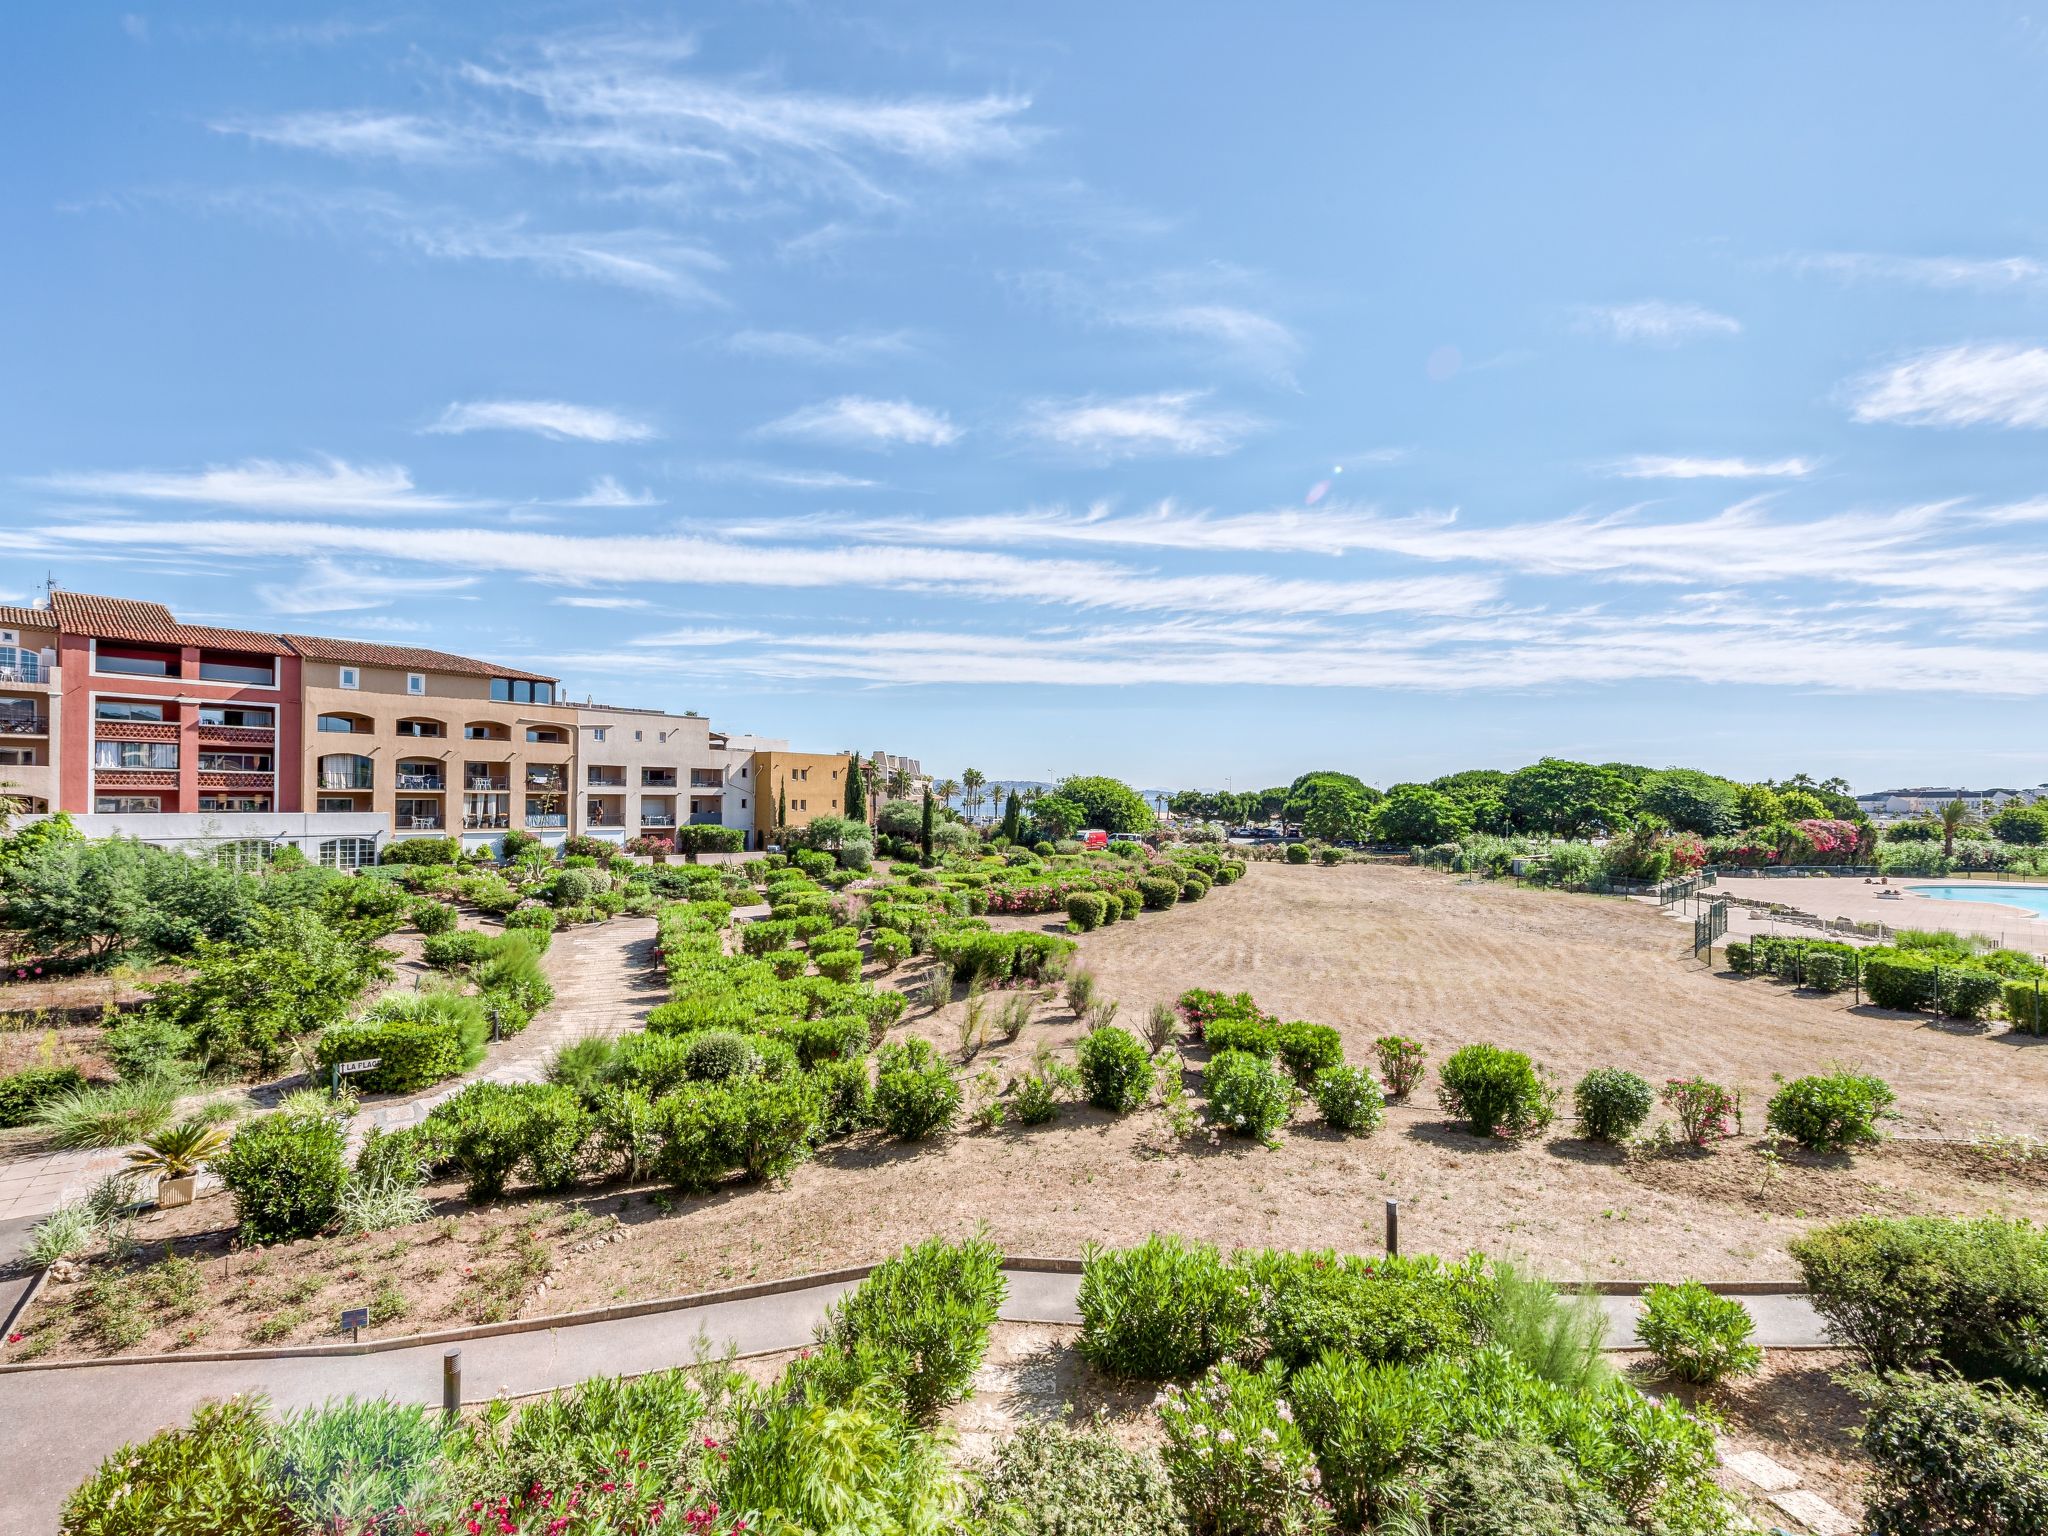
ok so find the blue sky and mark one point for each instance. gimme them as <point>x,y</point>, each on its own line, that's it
<point>1190,392</point>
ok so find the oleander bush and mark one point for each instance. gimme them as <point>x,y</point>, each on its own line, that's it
<point>1496,1092</point>
<point>1910,1291</point>
<point>1058,1480</point>
<point>1308,1050</point>
<point>1253,1036</point>
<point>1115,1069</point>
<point>1401,1062</point>
<point>915,1094</point>
<point>1370,1309</point>
<point>1831,1113</point>
<point>920,1320</point>
<point>1954,1457</point>
<point>417,1039</point>
<point>432,917</point>
<point>1611,1104</point>
<point>1167,1308</point>
<point>1235,1457</point>
<point>1696,1335</point>
<point>1351,1100</point>
<point>1248,1095</point>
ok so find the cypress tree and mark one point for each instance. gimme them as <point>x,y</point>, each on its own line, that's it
<point>781,811</point>
<point>1013,819</point>
<point>924,835</point>
<point>856,807</point>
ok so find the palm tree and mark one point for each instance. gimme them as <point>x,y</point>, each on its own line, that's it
<point>1954,817</point>
<point>899,782</point>
<point>871,776</point>
<point>971,780</point>
<point>946,789</point>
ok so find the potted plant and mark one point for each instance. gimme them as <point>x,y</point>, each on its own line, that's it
<point>175,1156</point>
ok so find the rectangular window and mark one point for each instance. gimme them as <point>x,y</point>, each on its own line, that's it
<point>242,803</point>
<point>134,660</point>
<point>250,671</point>
<point>545,737</point>
<point>350,677</point>
<point>343,804</point>
<point>123,709</point>
<point>597,733</point>
<point>234,762</point>
<point>18,757</point>
<point>127,805</point>
<point>419,728</point>
<point>501,689</point>
<point>345,724</point>
<point>135,754</point>
<point>235,715</point>
<point>415,682</point>
<point>543,693</point>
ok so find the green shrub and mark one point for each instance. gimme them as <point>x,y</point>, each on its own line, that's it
<point>1387,1309</point>
<point>1828,972</point>
<point>1053,1480</point>
<point>24,1092</point>
<point>761,937</point>
<point>697,1131</point>
<point>1832,1113</point>
<point>1308,1050</point>
<point>889,948</point>
<point>714,1055</point>
<point>787,964</point>
<point>921,1320</point>
<point>1953,1457</point>
<point>489,1129</point>
<point>841,965</point>
<point>1253,1036</point>
<point>417,1039</point>
<point>1351,1100</point>
<point>1297,853</point>
<point>421,850</point>
<point>776,1123</point>
<point>1158,892</point>
<point>1696,1335</point>
<point>915,1095</point>
<point>1401,1060</point>
<point>1496,1092</point>
<point>465,946</point>
<point>431,917</point>
<point>356,1459</point>
<point>1970,994</point>
<point>1247,1094</point>
<point>213,1473</point>
<point>1611,1104</point>
<point>1741,960</point>
<point>1115,1070</point>
<point>1166,1308</point>
<point>1037,1100</point>
<point>1085,909</point>
<point>2026,1005</point>
<point>538,923</point>
<point>1237,1461</point>
<point>827,1039</point>
<point>286,1174</point>
<point>1909,1290</point>
<point>144,1045</point>
<point>846,1096</point>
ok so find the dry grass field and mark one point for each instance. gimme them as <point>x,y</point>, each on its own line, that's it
<point>1576,981</point>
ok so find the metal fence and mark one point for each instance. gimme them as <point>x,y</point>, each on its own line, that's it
<point>1707,927</point>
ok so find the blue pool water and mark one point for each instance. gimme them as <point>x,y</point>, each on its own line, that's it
<point>2028,898</point>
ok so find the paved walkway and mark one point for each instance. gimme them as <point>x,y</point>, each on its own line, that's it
<point>81,1413</point>
<point>605,979</point>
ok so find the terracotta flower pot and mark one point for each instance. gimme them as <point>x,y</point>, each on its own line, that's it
<point>172,1193</point>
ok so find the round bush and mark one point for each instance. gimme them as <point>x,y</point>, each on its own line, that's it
<point>787,964</point>
<point>889,948</point>
<point>1247,1094</point>
<point>1166,1308</point>
<point>433,916</point>
<point>1308,1049</point>
<point>838,964</point>
<point>1297,853</point>
<point>1496,1092</point>
<point>1831,1113</point>
<point>915,1095</point>
<point>1351,1100</point>
<point>575,887</point>
<point>1114,1069</point>
<point>286,1173</point>
<point>717,1054</point>
<point>1696,1335</point>
<point>1195,887</point>
<point>1611,1104</point>
<point>1085,909</point>
<point>1079,1482</point>
<point>1158,892</point>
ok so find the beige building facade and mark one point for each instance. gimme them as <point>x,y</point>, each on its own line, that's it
<point>31,709</point>
<point>443,745</point>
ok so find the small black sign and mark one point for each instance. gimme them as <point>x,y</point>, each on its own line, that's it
<point>355,1319</point>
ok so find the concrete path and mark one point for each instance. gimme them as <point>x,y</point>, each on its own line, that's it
<point>605,979</point>
<point>79,1414</point>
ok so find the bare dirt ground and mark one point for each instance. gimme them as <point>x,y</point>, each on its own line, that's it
<point>1576,981</point>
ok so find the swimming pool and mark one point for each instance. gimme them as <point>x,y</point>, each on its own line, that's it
<point>2031,899</point>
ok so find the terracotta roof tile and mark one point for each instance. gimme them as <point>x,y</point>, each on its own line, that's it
<point>120,618</point>
<point>411,658</point>
<point>27,618</point>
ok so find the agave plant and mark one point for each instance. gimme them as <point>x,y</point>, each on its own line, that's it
<point>179,1151</point>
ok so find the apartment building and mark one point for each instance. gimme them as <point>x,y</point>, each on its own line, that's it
<point>434,744</point>
<point>896,778</point>
<point>645,773</point>
<point>795,788</point>
<point>31,707</point>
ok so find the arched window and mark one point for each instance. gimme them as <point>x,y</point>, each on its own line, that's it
<point>243,853</point>
<point>348,852</point>
<point>346,770</point>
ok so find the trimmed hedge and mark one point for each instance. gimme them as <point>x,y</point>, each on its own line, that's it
<point>286,1173</point>
<point>411,1053</point>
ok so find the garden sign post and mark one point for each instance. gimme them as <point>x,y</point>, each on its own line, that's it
<point>352,1068</point>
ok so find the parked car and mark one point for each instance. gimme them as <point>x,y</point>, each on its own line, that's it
<point>1125,837</point>
<point>1092,837</point>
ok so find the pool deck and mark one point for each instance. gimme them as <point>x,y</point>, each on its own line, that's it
<point>1833,898</point>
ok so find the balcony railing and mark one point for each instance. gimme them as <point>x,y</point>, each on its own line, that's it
<point>24,725</point>
<point>606,781</point>
<point>552,781</point>
<point>546,819</point>
<point>707,780</point>
<point>653,780</point>
<point>487,786</point>
<point>25,672</point>
<point>348,781</point>
<point>417,823</point>
<point>656,819</point>
<point>706,819</point>
<point>486,823</point>
<point>421,781</point>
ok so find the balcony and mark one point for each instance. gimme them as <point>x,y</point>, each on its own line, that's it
<point>432,781</point>
<point>226,735</point>
<point>420,823</point>
<point>656,819</point>
<point>706,819</point>
<point>351,782</point>
<point>657,778</point>
<point>495,823</point>
<point>537,779</point>
<point>547,819</point>
<point>225,779</point>
<point>27,670</point>
<point>482,784</point>
<point>701,780</point>
<point>605,778</point>
<point>24,725</point>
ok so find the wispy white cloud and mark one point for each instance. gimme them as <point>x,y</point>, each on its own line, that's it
<point>1212,308</point>
<point>557,419</point>
<point>790,479</point>
<point>269,485</point>
<point>801,347</point>
<point>1659,466</point>
<point>1983,272</point>
<point>1999,384</point>
<point>605,491</point>
<point>606,603</point>
<point>1661,322</point>
<point>325,587</point>
<point>361,134</point>
<point>863,422</point>
<point>1136,425</point>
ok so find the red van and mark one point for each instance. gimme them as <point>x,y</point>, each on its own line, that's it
<point>1093,837</point>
